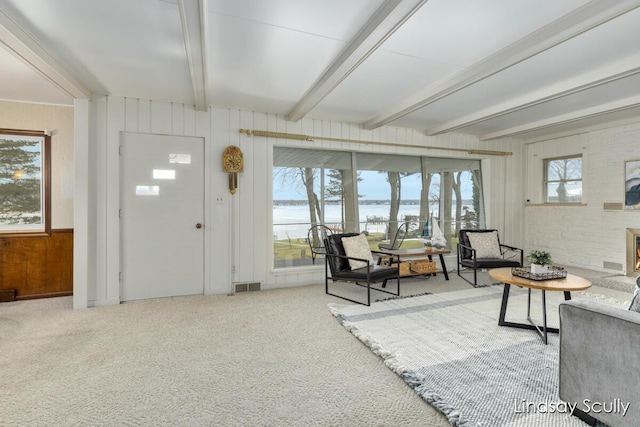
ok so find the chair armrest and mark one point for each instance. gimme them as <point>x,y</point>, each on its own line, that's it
<point>348,257</point>
<point>463,246</point>
<point>387,254</point>
<point>513,248</point>
<point>599,358</point>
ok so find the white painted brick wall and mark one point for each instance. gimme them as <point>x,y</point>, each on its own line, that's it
<point>584,236</point>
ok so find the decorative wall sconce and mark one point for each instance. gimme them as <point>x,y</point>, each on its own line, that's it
<point>232,163</point>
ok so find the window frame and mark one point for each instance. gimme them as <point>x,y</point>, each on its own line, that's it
<point>546,181</point>
<point>321,158</point>
<point>45,156</point>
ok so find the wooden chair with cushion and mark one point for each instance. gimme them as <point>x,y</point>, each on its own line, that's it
<point>348,258</point>
<point>481,249</point>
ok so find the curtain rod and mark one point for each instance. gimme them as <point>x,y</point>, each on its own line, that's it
<point>301,137</point>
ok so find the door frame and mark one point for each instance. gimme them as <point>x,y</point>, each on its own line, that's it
<point>207,199</point>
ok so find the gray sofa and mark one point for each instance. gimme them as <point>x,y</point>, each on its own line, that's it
<point>599,364</point>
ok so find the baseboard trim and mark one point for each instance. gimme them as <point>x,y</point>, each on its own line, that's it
<point>49,295</point>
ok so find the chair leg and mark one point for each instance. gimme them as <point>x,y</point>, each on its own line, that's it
<point>462,276</point>
<point>326,276</point>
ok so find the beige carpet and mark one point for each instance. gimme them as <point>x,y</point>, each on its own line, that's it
<point>269,358</point>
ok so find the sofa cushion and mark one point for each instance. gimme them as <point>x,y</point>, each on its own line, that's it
<point>635,302</point>
<point>357,247</point>
<point>486,244</point>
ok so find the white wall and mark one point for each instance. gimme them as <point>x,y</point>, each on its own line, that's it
<point>241,249</point>
<point>584,236</point>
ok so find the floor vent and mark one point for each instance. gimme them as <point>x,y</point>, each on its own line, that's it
<point>7,295</point>
<point>247,286</point>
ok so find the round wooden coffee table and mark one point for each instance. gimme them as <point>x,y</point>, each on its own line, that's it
<point>567,285</point>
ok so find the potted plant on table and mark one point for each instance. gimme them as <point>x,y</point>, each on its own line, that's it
<point>540,261</point>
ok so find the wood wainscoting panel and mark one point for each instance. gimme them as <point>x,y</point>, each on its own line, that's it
<point>38,266</point>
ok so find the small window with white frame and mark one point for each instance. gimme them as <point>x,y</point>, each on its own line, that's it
<point>563,180</point>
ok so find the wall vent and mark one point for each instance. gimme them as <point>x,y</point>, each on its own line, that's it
<point>612,206</point>
<point>7,295</point>
<point>247,286</point>
<point>612,266</point>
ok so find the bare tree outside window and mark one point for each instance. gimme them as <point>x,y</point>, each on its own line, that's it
<point>320,187</point>
<point>24,182</point>
<point>563,180</point>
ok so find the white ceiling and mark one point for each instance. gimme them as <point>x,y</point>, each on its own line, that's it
<point>494,68</point>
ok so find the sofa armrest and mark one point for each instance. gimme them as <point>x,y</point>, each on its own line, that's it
<point>600,361</point>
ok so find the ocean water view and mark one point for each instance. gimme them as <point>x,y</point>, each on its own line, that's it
<point>292,221</point>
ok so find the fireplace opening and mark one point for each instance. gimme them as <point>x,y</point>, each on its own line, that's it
<point>633,251</point>
<point>637,263</point>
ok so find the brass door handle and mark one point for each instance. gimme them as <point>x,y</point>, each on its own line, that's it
<point>198,226</point>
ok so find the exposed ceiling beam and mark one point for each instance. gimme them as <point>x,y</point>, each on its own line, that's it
<point>610,107</point>
<point>384,22</point>
<point>609,124</point>
<point>585,81</point>
<point>25,47</point>
<point>193,14</point>
<point>584,18</point>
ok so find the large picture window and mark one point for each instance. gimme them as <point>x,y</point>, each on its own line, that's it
<point>563,180</point>
<point>369,193</point>
<point>25,161</point>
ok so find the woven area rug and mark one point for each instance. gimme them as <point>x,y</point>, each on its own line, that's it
<point>450,349</point>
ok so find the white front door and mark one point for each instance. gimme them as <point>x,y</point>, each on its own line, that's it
<point>162,217</point>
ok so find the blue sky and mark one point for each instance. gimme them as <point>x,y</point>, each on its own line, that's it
<point>373,186</point>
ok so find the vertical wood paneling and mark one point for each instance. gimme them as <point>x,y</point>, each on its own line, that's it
<point>262,166</point>
<point>245,195</point>
<point>37,266</point>
<point>161,120</point>
<point>239,231</point>
<point>177,118</point>
<point>271,125</point>
<point>98,292</point>
<point>189,125</point>
<point>144,116</point>
<point>131,114</point>
<point>222,248</point>
<point>83,267</point>
<point>116,123</point>
<point>200,126</point>
<point>237,216</point>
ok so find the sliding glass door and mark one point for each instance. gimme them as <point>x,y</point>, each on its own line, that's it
<point>371,193</point>
<point>310,187</point>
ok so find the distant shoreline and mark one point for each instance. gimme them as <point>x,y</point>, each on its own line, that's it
<point>360,202</point>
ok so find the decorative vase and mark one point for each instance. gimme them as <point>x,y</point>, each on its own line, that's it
<point>539,269</point>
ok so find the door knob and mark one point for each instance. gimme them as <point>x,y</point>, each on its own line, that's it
<point>198,226</point>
